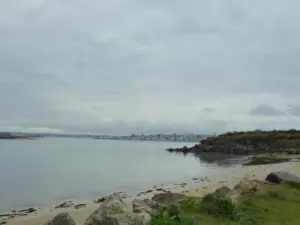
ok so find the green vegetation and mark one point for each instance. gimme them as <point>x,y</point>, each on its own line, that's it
<point>279,205</point>
<point>276,138</point>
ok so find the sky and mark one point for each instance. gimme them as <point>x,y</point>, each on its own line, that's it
<point>137,66</point>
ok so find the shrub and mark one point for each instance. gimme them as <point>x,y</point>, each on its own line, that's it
<point>189,204</point>
<point>222,207</point>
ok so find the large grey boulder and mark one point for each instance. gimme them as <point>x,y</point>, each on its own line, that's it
<point>281,176</point>
<point>223,191</point>
<point>61,219</point>
<point>168,198</point>
<point>115,196</point>
<point>246,186</point>
<point>114,212</point>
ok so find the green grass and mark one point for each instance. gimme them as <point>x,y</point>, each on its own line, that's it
<point>276,206</point>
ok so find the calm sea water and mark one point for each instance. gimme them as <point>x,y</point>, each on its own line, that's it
<point>48,170</point>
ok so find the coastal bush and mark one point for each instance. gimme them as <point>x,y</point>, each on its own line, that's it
<point>189,204</point>
<point>222,207</point>
<point>275,206</point>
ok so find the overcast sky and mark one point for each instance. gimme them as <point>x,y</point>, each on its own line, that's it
<point>124,66</point>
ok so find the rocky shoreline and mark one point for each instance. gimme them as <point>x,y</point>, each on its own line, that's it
<point>80,210</point>
<point>137,206</point>
<point>247,143</point>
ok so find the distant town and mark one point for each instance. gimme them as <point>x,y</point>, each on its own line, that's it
<point>133,137</point>
<point>157,137</point>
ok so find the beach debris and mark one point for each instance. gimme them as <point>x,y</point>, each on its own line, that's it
<point>100,200</point>
<point>281,176</point>
<point>114,212</point>
<point>79,206</point>
<point>61,219</point>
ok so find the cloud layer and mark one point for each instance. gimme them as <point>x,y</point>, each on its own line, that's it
<point>147,66</point>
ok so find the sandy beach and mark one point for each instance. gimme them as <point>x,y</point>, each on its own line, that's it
<point>197,187</point>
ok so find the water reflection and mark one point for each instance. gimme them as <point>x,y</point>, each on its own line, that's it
<point>220,159</point>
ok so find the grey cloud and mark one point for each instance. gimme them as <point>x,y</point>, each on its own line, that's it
<point>266,110</point>
<point>125,66</point>
<point>209,110</point>
<point>294,110</point>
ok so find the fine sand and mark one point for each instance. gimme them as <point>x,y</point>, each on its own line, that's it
<point>197,187</point>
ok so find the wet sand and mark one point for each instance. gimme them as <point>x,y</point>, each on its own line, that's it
<point>197,187</point>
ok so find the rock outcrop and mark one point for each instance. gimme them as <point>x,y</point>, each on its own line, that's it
<point>114,212</point>
<point>168,198</point>
<point>145,205</point>
<point>281,176</point>
<point>252,142</point>
<point>61,219</point>
<point>264,159</point>
<point>246,186</point>
<point>223,191</point>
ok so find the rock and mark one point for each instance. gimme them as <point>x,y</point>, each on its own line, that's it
<point>160,189</point>
<point>61,219</point>
<point>246,186</point>
<point>100,200</point>
<point>114,212</point>
<point>3,222</point>
<point>167,198</point>
<point>149,191</point>
<point>79,206</point>
<point>145,205</point>
<point>223,191</point>
<point>281,176</point>
<point>64,205</point>
<point>115,196</point>
<point>29,210</point>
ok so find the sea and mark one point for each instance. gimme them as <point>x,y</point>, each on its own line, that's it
<point>49,170</point>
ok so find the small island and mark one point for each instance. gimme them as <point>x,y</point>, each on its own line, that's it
<point>248,143</point>
<point>7,135</point>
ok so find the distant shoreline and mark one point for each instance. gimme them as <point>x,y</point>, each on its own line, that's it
<point>18,138</point>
